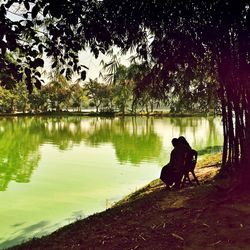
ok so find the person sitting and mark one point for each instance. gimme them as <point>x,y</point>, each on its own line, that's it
<point>182,153</point>
<point>167,172</point>
<point>172,173</point>
<point>190,161</point>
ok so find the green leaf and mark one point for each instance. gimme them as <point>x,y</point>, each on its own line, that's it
<point>40,48</point>
<point>83,75</point>
<point>38,62</point>
<point>38,84</point>
<point>27,72</point>
<point>68,74</point>
<point>35,11</point>
<point>29,85</point>
<point>84,66</point>
<point>38,74</point>
<point>54,64</point>
<point>27,5</point>
<point>45,10</point>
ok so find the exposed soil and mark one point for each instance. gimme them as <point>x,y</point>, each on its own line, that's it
<point>196,217</point>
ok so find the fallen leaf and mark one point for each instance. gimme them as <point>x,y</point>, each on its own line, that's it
<point>205,225</point>
<point>177,236</point>
<point>216,243</point>
<point>142,237</point>
<point>135,247</point>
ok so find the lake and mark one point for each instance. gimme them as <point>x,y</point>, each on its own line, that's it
<point>55,170</point>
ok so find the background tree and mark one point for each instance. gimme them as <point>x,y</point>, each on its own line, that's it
<point>22,99</point>
<point>59,91</point>
<point>77,95</point>
<point>39,100</point>
<point>7,100</point>
<point>98,93</point>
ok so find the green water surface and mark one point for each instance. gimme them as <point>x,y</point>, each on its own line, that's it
<point>55,170</point>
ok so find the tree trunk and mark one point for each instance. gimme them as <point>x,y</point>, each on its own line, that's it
<point>151,107</point>
<point>245,175</point>
<point>224,121</point>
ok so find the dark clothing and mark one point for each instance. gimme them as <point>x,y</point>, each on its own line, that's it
<point>173,171</point>
<point>178,157</point>
<point>191,160</point>
<point>167,175</point>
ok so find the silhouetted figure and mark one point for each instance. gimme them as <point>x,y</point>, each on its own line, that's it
<point>189,168</point>
<point>167,172</point>
<point>172,173</point>
<point>190,161</point>
<point>183,141</point>
<point>188,150</point>
<point>183,150</point>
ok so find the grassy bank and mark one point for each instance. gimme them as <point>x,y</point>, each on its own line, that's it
<point>195,217</point>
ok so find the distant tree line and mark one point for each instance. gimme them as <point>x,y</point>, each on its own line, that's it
<point>117,93</point>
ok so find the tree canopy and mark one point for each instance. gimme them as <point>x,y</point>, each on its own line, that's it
<point>174,36</point>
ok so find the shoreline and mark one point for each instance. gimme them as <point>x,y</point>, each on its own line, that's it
<point>109,115</point>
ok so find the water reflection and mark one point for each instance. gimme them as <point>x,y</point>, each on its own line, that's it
<point>134,140</point>
<point>19,153</point>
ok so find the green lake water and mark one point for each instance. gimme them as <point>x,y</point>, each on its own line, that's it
<point>54,171</point>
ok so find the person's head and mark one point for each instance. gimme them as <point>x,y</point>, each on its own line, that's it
<point>175,142</point>
<point>183,140</point>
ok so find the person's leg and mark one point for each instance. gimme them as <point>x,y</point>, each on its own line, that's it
<point>166,176</point>
<point>177,180</point>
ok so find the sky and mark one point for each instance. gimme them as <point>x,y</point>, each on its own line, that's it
<point>85,57</point>
<point>88,59</point>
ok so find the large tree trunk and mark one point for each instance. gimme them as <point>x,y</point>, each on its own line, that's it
<point>224,121</point>
<point>235,99</point>
<point>245,173</point>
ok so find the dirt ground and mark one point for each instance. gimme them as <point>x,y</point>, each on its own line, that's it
<point>208,216</point>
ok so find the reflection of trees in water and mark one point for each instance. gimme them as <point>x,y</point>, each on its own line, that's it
<point>134,139</point>
<point>20,139</point>
<point>65,132</point>
<point>213,138</point>
<point>210,135</point>
<point>100,131</point>
<point>18,151</point>
<point>144,148</point>
<point>139,143</point>
<point>184,123</point>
